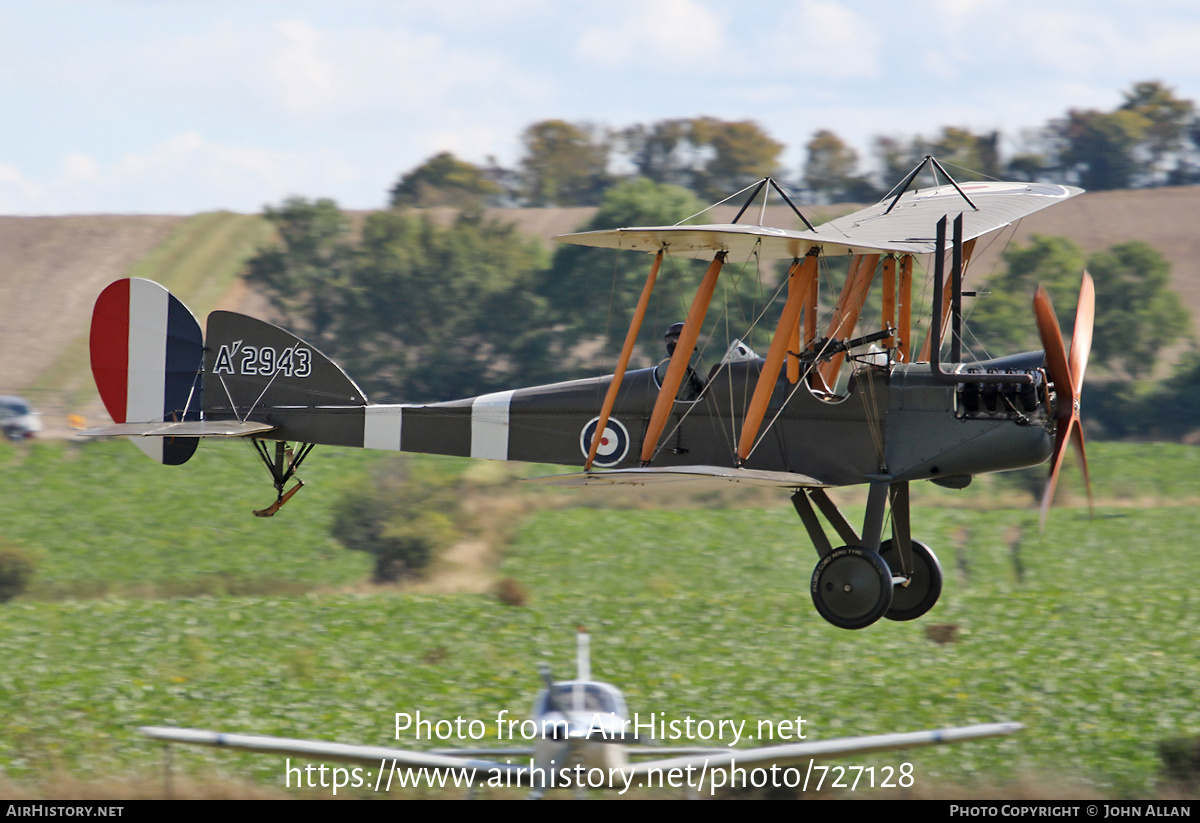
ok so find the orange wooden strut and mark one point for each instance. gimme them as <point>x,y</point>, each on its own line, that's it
<point>888,318</point>
<point>810,313</point>
<point>905,297</point>
<point>635,325</point>
<point>807,284</point>
<point>793,332</point>
<point>789,323</point>
<point>681,358</point>
<point>849,306</point>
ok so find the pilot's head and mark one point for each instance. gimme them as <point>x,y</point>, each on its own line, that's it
<point>672,337</point>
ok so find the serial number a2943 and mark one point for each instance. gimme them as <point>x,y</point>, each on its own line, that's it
<point>239,358</point>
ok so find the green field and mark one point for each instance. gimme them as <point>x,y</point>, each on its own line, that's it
<point>160,600</point>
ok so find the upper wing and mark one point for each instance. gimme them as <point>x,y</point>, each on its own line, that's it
<point>793,753</point>
<point>326,750</point>
<point>905,227</point>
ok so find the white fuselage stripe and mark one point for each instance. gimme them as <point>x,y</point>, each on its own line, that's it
<point>381,427</point>
<point>489,425</point>
<point>147,370</point>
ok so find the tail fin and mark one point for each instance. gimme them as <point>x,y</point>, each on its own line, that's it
<point>251,365</point>
<point>147,354</point>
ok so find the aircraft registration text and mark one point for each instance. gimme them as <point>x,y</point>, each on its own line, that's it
<point>293,361</point>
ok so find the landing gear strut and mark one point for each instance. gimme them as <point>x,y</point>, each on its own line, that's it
<point>866,579</point>
<point>282,465</point>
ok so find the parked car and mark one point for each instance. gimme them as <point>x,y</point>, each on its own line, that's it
<point>18,419</point>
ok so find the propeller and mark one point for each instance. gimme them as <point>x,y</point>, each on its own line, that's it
<point>1066,373</point>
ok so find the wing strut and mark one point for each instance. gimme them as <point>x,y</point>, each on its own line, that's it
<point>849,306</point>
<point>782,194</point>
<point>912,175</point>
<point>681,358</point>
<point>888,316</point>
<point>800,280</point>
<point>904,354</point>
<point>610,397</point>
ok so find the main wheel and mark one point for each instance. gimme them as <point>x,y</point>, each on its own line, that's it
<point>852,587</point>
<point>924,585</point>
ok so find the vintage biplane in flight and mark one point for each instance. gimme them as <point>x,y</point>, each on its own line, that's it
<point>581,735</point>
<point>824,408</point>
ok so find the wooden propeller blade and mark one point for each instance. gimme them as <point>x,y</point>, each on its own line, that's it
<point>1056,462</point>
<point>1057,363</point>
<point>1081,337</point>
<point>1067,375</point>
<point>1077,439</point>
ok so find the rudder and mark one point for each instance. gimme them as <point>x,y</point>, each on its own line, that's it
<point>147,355</point>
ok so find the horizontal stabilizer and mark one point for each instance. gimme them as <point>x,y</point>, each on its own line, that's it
<point>682,474</point>
<point>187,428</point>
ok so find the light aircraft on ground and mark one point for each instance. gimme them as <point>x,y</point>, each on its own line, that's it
<point>584,737</point>
<point>818,411</point>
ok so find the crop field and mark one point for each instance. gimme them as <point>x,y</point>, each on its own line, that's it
<point>160,600</point>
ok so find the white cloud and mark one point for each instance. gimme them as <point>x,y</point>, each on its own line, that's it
<point>827,39</point>
<point>674,35</point>
<point>76,167</point>
<point>183,174</point>
<point>133,105</point>
<point>307,81</point>
<point>18,194</point>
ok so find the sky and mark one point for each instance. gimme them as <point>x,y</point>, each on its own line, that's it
<point>172,107</point>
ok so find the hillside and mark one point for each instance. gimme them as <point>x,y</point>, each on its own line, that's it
<point>51,268</point>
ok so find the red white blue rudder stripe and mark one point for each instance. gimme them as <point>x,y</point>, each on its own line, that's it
<point>147,359</point>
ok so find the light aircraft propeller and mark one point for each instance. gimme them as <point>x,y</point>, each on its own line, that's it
<point>1066,373</point>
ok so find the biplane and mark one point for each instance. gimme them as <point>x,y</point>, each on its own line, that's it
<point>823,408</point>
<point>581,735</point>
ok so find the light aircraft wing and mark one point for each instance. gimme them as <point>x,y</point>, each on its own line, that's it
<point>903,227</point>
<point>708,759</point>
<point>790,754</point>
<point>326,750</point>
<point>682,474</point>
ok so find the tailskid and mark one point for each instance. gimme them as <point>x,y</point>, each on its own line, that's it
<point>282,465</point>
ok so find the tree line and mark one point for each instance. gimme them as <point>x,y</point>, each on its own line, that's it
<point>420,310</point>
<point>1151,139</point>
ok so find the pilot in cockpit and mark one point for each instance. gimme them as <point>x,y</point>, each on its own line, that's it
<point>692,385</point>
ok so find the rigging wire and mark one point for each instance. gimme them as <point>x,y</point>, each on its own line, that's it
<point>667,435</point>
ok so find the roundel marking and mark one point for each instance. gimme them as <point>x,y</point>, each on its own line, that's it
<point>614,442</point>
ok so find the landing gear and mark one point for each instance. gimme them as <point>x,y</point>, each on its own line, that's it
<point>282,465</point>
<point>852,587</point>
<point>924,585</point>
<point>866,579</point>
